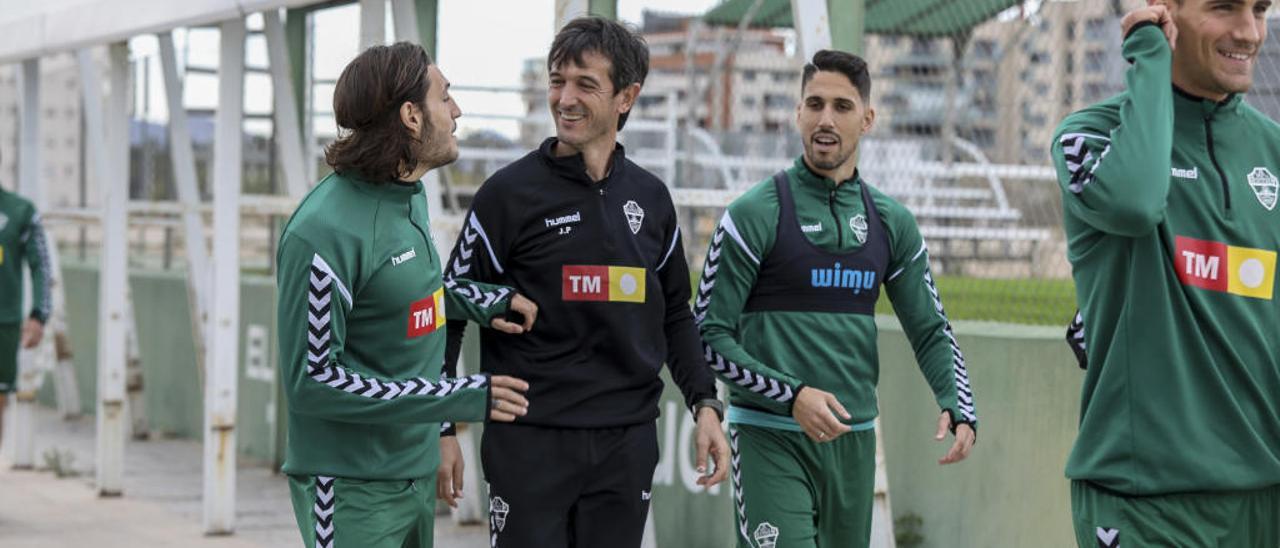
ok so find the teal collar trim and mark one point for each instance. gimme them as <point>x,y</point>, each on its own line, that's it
<point>739,415</point>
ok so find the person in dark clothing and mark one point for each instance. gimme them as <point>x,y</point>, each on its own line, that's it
<point>592,239</point>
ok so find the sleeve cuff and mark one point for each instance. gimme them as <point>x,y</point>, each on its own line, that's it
<point>500,308</point>
<point>957,420</point>
<point>37,316</point>
<point>795,396</point>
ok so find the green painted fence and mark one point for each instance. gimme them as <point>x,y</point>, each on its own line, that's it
<point>1011,491</point>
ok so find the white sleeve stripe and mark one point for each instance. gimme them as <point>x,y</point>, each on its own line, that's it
<point>674,238</point>
<point>899,271</point>
<point>727,223</point>
<point>318,262</point>
<point>475,223</point>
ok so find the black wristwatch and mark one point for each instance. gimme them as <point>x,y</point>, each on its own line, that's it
<point>715,405</point>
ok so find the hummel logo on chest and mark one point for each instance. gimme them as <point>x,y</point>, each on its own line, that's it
<point>411,253</point>
<point>563,219</point>
<point>815,227</point>
<point>1188,174</point>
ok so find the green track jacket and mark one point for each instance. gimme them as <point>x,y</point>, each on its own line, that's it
<point>22,240</point>
<point>1170,213</point>
<point>766,357</point>
<point>362,333</point>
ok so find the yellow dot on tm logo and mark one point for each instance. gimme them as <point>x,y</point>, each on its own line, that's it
<point>1252,273</point>
<point>627,284</point>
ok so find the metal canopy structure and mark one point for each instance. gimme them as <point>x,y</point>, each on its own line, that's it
<point>55,26</point>
<point>924,18</point>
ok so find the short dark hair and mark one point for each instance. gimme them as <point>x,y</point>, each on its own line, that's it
<point>853,67</point>
<point>372,141</point>
<point>626,50</point>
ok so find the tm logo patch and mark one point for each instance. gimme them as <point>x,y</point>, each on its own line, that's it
<point>602,283</point>
<point>426,315</point>
<point>1226,268</point>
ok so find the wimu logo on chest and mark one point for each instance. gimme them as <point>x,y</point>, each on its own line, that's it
<point>837,277</point>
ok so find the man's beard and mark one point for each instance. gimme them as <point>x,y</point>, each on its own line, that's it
<point>434,153</point>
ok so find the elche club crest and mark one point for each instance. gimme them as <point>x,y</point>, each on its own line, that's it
<point>859,225</point>
<point>498,509</point>
<point>766,535</point>
<point>1264,186</point>
<point>635,215</point>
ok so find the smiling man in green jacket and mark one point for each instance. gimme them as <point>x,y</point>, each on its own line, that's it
<point>786,307</point>
<point>362,316</point>
<point>1169,197</point>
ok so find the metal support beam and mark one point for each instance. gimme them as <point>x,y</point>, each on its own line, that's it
<point>298,36</point>
<point>222,354</point>
<point>22,435</point>
<point>428,13</point>
<point>66,389</point>
<point>106,160</point>
<point>568,10</point>
<point>288,132</point>
<point>604,8</point>
<point>813,28</point>
<point>404,19</point>
<point>373,23</point>
<point>295,36</point>
<point>182,158</point>
<point>29,141</point>
<point>848,25</point>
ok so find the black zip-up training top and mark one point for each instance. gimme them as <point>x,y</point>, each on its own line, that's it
<point>605,264</point>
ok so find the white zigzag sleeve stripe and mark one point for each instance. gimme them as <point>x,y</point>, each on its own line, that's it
<point>474,223</point>
<point>1077,155</point>
<point>454,277</point>
<point>323,370</point>
<point>774,389</point>
<point>318,263</point>
<point>964,393</point>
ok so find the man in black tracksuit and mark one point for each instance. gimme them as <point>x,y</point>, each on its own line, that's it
<point>592,239</point>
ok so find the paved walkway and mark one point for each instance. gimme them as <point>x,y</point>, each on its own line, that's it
<point>161,506</point>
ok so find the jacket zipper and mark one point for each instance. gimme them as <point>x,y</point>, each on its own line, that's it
<point>606,224</point>
<point>1213,158</point>
<point>422,232</point>
<point>831,201</point>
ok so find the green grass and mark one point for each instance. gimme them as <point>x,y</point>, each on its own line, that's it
<point>1028,301</point>
<point>1022,301</point>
